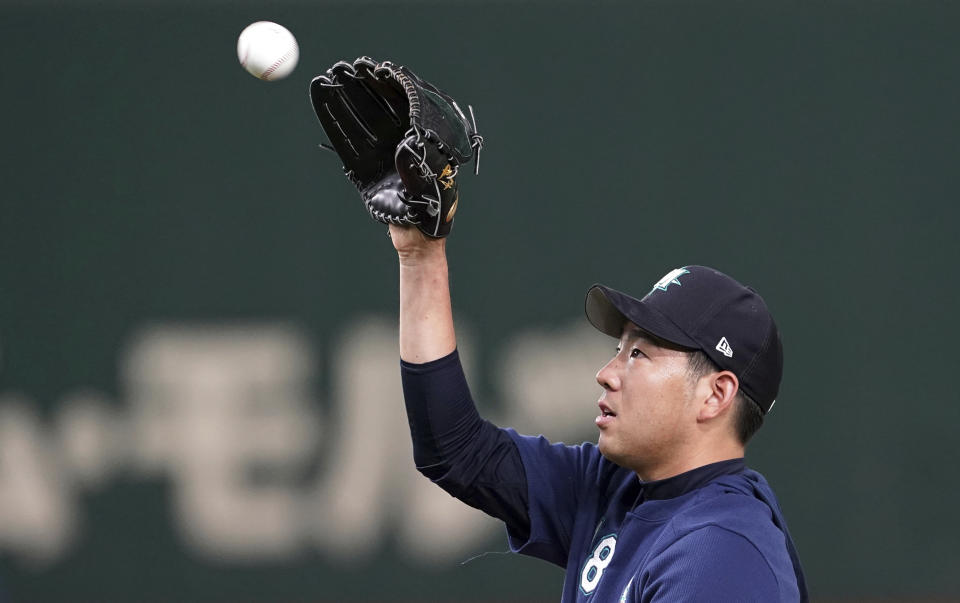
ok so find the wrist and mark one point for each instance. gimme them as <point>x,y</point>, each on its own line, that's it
<point>430,253</point>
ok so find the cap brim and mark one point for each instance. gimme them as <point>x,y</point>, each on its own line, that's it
<point>608,310</point>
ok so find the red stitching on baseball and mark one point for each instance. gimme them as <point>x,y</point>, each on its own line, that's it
<point>277,64</point>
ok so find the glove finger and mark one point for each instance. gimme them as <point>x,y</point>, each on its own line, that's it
<point>429,178</point>
<point>348,134</point>
<point>323,94</point>
<point>342,108</point>
<point>388,93</point>
<point>364,99</point>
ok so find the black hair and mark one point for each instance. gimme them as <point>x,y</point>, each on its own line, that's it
<point>747,414</point>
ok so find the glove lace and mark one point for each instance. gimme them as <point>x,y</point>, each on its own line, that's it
<point>476,141</point>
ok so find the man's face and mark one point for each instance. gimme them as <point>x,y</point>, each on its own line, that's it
<point>647,414</point>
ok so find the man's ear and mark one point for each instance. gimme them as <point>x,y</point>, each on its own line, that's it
<point>723,387</point>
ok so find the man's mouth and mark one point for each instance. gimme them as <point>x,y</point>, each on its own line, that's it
<point>606,416</point>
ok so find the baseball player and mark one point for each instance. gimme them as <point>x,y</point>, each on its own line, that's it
<point>663,506</point>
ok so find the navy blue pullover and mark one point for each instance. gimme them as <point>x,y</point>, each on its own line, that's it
<point>712,534</point>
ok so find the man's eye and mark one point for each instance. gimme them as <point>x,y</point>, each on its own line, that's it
<point>635,353</point>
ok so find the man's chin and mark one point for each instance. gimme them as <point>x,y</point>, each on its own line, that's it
<point>608,451</point>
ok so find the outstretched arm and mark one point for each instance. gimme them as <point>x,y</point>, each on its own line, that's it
<point>463,454</point>
<point>426,318</point>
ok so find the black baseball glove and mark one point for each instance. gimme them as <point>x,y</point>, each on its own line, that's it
<point>401,140</point>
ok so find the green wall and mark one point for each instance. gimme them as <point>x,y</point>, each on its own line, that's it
<point>810,149</point>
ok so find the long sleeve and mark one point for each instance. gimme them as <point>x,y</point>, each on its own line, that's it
<point>468,457</point>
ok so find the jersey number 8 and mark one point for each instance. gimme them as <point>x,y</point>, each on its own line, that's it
<point>593,569</point>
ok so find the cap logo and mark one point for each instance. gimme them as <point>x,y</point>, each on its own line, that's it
<point>670,278</point>
<point>723,346</point>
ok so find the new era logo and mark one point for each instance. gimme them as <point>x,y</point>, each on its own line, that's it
<point>724,347</point>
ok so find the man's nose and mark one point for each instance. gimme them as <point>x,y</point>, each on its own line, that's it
<point>607,377</point>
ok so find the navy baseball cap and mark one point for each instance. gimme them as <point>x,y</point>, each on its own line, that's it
<point>701,308</point>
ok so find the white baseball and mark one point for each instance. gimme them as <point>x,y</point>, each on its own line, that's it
<point>267,50</point>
